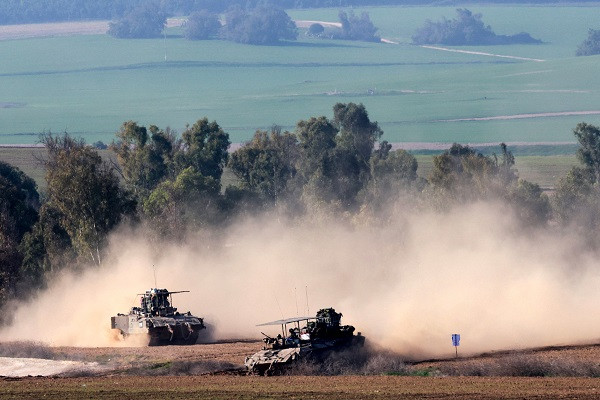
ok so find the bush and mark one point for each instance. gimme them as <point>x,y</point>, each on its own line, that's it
<point>316,30</point>
<point>263,25</point>
<point>356,27</point>
<point>591,45</point>
<point>466,29</point>
<point>146,21</point>
<point>202,25</point>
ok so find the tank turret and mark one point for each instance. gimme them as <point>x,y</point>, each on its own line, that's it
<point>156,318</point>
<point>306,338</point>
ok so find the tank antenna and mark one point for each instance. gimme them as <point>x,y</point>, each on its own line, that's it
<point>306,292</point>
<point>154,270</point>
<point>296,298</point>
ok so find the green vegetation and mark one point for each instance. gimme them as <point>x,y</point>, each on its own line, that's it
<point>262,25</point>
<point>467,29</point>
<point>19,12</point>
<point>591,45</point>
<point>356,27</point>
<point>143,22</point>
<point>172,185</point>
<point>409,90</point>
<point>19,201</point>
<point>545,170</point>
<point>202,25</point>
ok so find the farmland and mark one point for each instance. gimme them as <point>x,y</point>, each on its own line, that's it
<point>192,372</point>
<point>416,94</point>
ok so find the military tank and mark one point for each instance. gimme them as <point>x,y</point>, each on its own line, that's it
<point>159,320</point>
<point>309,338</point>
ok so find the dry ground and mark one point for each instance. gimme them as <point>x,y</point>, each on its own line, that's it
<point>23,31</point>
<point>208,371</point>
<point>299,387</point>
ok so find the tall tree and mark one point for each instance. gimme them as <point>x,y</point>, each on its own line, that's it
<point>19,201</point>
<point>202,25</point>
<point>86,194</point>
<point>393,175</point>
<point>577,197</point>
<point>204,147</point>
<point>145,21</point>
<point>190,201</point>
<point>265,25</point>
<point>591,45</point>
<point>145,159</point>
<point>589,148</point>
<point>267,163</point>
<point>466,29</point>
<point>356,27</point>
<point>461,173</point>
<point>316,166</point>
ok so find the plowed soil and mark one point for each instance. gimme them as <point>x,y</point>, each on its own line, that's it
<point>212,371</point>
<point>299,387</point>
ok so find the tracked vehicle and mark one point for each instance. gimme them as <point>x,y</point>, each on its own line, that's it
<point>309,338</point>
<point>159,320</point>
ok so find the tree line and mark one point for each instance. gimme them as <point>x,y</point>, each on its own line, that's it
<point>466,29</point>
<point>172,185</point>
<point>263,25</point>
<point>33,11</point>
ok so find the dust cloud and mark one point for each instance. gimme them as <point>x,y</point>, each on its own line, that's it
<point>406,285</point>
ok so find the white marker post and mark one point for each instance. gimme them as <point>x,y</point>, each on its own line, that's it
<point>456,342</point>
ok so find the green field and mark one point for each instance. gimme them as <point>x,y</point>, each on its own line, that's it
<point>89,85</point>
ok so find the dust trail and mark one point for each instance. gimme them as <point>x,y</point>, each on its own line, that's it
<point>407,285</point>
<point>480,53</point>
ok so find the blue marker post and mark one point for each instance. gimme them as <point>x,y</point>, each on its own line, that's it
<point>456,342</point>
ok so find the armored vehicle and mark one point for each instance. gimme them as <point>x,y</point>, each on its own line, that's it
<point>308,338</point>
<point>159,320</point>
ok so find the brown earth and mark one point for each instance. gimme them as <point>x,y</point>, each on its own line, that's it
<point>23,31</point>
<point>209,371</point>
<point>299,387</point>
<point>72,28</point>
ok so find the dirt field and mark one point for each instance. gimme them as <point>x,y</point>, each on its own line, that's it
<point>23,31</point>
<point>9,32</point>
<point>299,387</point>
<point>209,371</point>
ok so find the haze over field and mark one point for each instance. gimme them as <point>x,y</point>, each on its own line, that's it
<point>407,286</point>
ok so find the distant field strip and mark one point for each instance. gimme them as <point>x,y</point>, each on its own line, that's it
<point>224,64</point>
<point>523,116</point>
<point>480,53</point>
<point>9,32</point>
<point>22,31</point>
